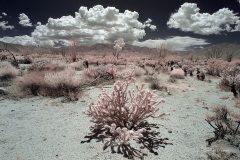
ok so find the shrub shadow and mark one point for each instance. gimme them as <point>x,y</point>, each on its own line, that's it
<point>151,141</point>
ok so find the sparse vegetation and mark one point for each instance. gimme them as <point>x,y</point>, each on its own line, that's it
<point>122,117</point>
<point>54,84</point>
<point>7,71</point>
<point>226,125</point>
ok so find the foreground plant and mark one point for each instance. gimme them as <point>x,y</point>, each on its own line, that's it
<point>121,117</point>
<point>225,124</point>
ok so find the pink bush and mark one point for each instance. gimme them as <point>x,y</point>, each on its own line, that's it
<point>7,71</point>
<point>95,72</point>
<point>90,73</point>
<point>177,73</point>
<point>122,111</point>
<point>216,66</point>
<point>77,65</point>
<point>53,84</point>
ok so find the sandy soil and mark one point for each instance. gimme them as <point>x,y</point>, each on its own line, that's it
<point>42,128</point>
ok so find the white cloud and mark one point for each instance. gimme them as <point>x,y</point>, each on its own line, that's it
<point>4,25</point>
<point>177,43</point>
<point>3,13</point>
<point>188,18</point>
<point>24,20</point>
<point>23,40</point>
<point>93,25</point>
<point>39,23</point>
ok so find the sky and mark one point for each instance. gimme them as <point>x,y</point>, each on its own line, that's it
<point>182,24</point>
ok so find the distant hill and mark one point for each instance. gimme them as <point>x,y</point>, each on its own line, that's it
<point>222,49</point>
<point>11,47</point>
<point>95,47</point>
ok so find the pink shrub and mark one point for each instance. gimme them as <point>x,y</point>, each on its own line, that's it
<point>95,72</point>
<point>55,66</point>
<point>108,107</point>
<point>90,73</point>
<point>47,66</point>
<point>32,82</point>
<point>66,77</point>
<point>130,71</point>
<point>54,84</point>
<point>121,116</point>
<point>216,66</point>
<point>230,79</point>
<point>77,65</point>
<point>7,71</point>
<point>177,73</point>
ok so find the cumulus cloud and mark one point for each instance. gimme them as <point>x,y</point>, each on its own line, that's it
<point>189,19</point>
<point>93,25</point>
<point>24,20</point>
<point>4,25</point>
<point>3,13</point>
<point>23,40</point>
<point>177,43</point>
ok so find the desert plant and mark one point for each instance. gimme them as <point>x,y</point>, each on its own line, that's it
<point>220,154</point>
<point>154,83</point>
<point>214,52</point>
<point>216,66</point>
<point>53,84</point>
<point>77,65</point>
<point>74,49</point>
<point>90,73</point>
<point>109,108</point>
<point>162,50</point>
<point>225,125</point>
<point>177,73</point>
<point>119,117</point>
<point>230,80</point>
<point>14,62</point>
<point>119,44</point>
<point>47,66</point>
<point>7,71</point>
<point>172,79</point>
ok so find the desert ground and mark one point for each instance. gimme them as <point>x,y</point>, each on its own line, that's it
<point>42,123</point>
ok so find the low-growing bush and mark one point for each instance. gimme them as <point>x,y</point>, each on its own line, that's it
<point>53,84</point>
<point>47,66</point>
<point>130,70</point>
<point>154,83</point>
<point>225,124</point>
<point>107,71</point>
<point>177,73</point>
<point>7,71</point>
<point>172,79</point>
<point>216,66</point>
<point>230,80</point>
<point>77,65</point>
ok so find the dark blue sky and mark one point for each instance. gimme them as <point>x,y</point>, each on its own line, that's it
<point>158,10</point>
